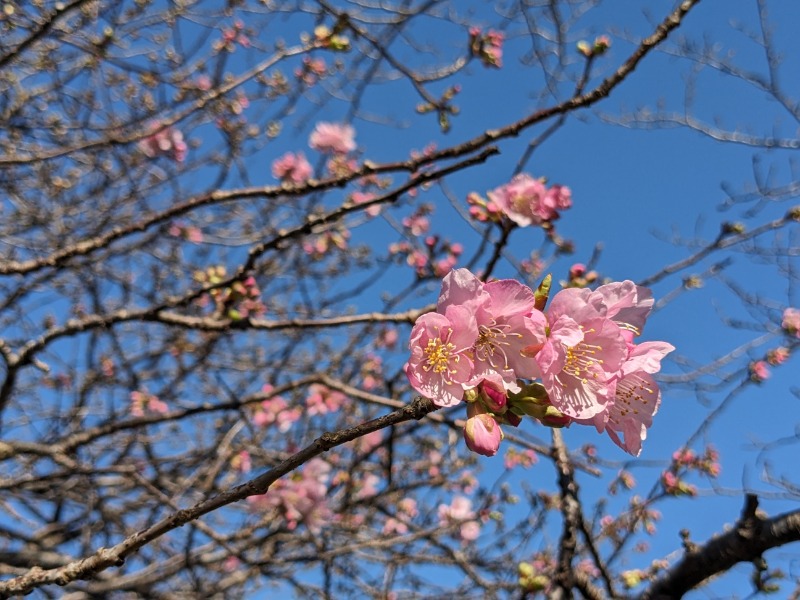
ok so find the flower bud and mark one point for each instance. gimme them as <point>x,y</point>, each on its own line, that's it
<point>481,432</point>
<point>493,399</point>
<point>542,293</point>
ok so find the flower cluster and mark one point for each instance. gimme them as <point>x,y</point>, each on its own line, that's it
<point>300,498</point>
<point>164,141</point>
<point>232,36</point>
<point>275,411</point>
<point>601,44</point>
<point>142,402</point>
<point>322,400</point>
<point>487,342</point>
<point>525,200</point>
<point>406,510</point>
<point>791,321</point>
<point>312,70</point>
<point>333,138</point>
<point>292,168</point>
<point>459,512</point>
<point>488,47</point>
<point>186,232</point>
<point>239,301</point>
<point>759,371</point>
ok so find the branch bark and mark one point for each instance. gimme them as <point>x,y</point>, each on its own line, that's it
<point>747,541</point>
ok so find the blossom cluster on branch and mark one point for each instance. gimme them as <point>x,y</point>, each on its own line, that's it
<point>488,343</point>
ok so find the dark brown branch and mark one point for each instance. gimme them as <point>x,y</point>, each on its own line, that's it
<point>747,541</point>
<point>42,31</point>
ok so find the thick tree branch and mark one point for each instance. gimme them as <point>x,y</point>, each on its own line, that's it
<point>747,541</point>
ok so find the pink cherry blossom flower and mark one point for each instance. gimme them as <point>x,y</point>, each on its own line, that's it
<point>323,400</point>
<point>142,401</point>
<point>166,141</point>
<point>275,411</point>
<point>759,371</point>
<point>510,331</point>
<point>440,365</point>
<point>300,498</point>
<point>523,200</point>
<point>636,399</point>
<point>684,456</point>
<point>292,167</point>
<point>524,458</point>
<point>507,326</point>
<point>333,138</point>
<point>791,321</point>
<point>488,47</point>
<point>625,303</point>
<point>393,526</point>
<point>581,358</point>
<point>417,224</point>
<point>362,197</point>
<point>460,511</point>
<point>562,196</point>
<point>778,356</point>
<point>408,507</point>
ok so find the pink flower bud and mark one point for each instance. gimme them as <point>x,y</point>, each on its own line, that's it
<point>493,399</point>
<point>759,371</point>
<point>482,434</point>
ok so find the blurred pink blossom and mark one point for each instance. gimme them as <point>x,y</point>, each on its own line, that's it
<point>300,498</point>
<point>323,400</point>
<point>164,141</point>
<point>142,401</point>
<point>292,167</point>
<point>333,138</point>
<point>275,410</point>
<point>759,371</point>
<point>459,511</point>
<point>791,321</point>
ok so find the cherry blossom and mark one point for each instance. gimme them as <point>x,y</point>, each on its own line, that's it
<point>488,47</point>
<point>460,511</point>
<point>292,167</point>
<point>439,364</point>
<point>322,400</point>
<point>164,141</point>
<point>759,371</point>
<point>142,401</point>
<point>275,410</point>
<point>333,138</point>
<point>488,343</point>
<point>300,498</point>
<point>791,321</point>
<point>637,397</point>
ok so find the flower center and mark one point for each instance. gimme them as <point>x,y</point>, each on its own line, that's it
<point>519,203</point>
<point>492,340</point>
<point>632,392</point>
<point>438,353</point>
<point>581,361</point>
